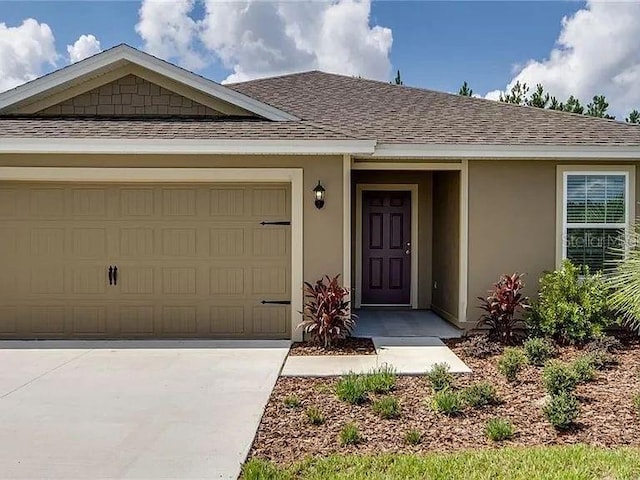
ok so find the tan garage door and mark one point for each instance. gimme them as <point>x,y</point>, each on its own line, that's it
<point>192,261</point>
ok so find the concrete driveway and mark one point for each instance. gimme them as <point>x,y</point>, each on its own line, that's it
<point>152,409</point>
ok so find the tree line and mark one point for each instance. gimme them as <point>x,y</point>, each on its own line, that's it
<point>539,98</point>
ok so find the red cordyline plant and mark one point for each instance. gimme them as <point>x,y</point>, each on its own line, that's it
<point>326,315</point>
<point>502,305</point>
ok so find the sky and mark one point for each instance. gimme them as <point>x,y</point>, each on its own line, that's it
<point>572,48</point>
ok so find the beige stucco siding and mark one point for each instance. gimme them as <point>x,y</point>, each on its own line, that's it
<point>446,244</point>
<point>512,222</point>
<point>323,232</point>
<point>424,181</point>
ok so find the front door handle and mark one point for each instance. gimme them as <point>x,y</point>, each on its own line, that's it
<point>110,275</point>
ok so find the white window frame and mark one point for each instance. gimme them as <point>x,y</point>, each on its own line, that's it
<point>564,171</point>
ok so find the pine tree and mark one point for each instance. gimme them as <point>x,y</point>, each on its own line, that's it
<point>465,91</point>
<point>573,105</point>
<point>598,108</point>
<point>634,117</point>
<point>517,95</point>
<point>539,98</point>
<point>398,79</point>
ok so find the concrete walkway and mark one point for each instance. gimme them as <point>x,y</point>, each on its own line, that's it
<point>384,322</point>
<point>407,355</point>
<point>146,410</point>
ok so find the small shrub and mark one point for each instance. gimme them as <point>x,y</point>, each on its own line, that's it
<point>502,306</point>
<point>511,362</point>
<point>636,402</point>
<point>562,410</point>
<point>480,394</point>
<point>326,314</point>
<point>559,377</point>
<point>572,306</point>
<point>350,435</point>
<point>386,407</point>
<point>447,402</point>
<point>604,343</point>
<point>481,346</point>
<point>352,388</point>
<point>601,359</point>
<point>439,377</point>
<point>584,368</point>
<point>413,437</point>
<point>381,380</point>
<point>291,401</point>
<point>314,415</point>
<point>538,351</point>
<point>498,429</point>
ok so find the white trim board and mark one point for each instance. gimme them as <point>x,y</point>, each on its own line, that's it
<point>508,152</point>
<point>463,269</point>
<point>410,187</point>
<point>119,55</point>
<point>405,166</point>
<point>177,146</point>
<point>294,176</point>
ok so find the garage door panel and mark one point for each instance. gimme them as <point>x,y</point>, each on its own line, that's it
<point>193,261</point>
<point>136,202</point>
<point>89,320</point>
<point>227,202</point>
<point>90,202</point>
<point>270,320</point>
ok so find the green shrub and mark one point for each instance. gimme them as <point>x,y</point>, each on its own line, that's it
<point>498,429</point>
<point>480,394</point>
<point>511,362</point>
<point>562,410</point>
<point>604,343</point>
<point>571,306</point>
<point>439,377</point>
<point>601,359</point>
<point>559,377</point>
<point>538,351</point>
<point>291,401</point>
<point>314,415</point>
<point>413,437</point>
<point>584,368</point>
<point>350,435</point>
<point>447,402</point>
<point>636,402</point>
<point>352,388</point>
<point>386,407</point>
<point>381,380</point>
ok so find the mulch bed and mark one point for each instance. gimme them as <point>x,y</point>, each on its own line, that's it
<point>607,416</point>
<point>348,346</point>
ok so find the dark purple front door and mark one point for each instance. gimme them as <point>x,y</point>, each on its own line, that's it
<point>386,247</point>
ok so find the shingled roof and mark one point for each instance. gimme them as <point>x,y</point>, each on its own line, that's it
<point>394,114</point>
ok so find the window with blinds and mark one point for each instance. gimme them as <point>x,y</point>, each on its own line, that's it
<point>595,218</point>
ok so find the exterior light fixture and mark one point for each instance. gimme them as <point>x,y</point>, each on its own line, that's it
<point>318,195</point>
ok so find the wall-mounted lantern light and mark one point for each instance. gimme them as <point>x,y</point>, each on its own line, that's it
<point>318,195</point>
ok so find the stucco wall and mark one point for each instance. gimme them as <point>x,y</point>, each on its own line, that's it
<point>323,245</point>
<point>425,190</point>
<point>512,222</point>
<point>446,244</point>
<point>130,95</point>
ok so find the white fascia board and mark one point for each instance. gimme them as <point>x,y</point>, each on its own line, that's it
<point>386,150</point>
<point>173,146</point>
<point>123,53</point>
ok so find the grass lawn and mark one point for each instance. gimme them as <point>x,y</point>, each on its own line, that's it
<point>532,463</point>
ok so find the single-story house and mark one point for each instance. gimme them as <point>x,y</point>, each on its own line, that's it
<point>138,199</point>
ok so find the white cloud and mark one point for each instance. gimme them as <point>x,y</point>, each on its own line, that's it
<point>597,52</point>
<point>262,38</point>
<point>24,51</point>
<point>84,47</point>
<point>169,32</point>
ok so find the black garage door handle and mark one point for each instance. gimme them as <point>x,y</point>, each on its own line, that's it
<point>276,302</point>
